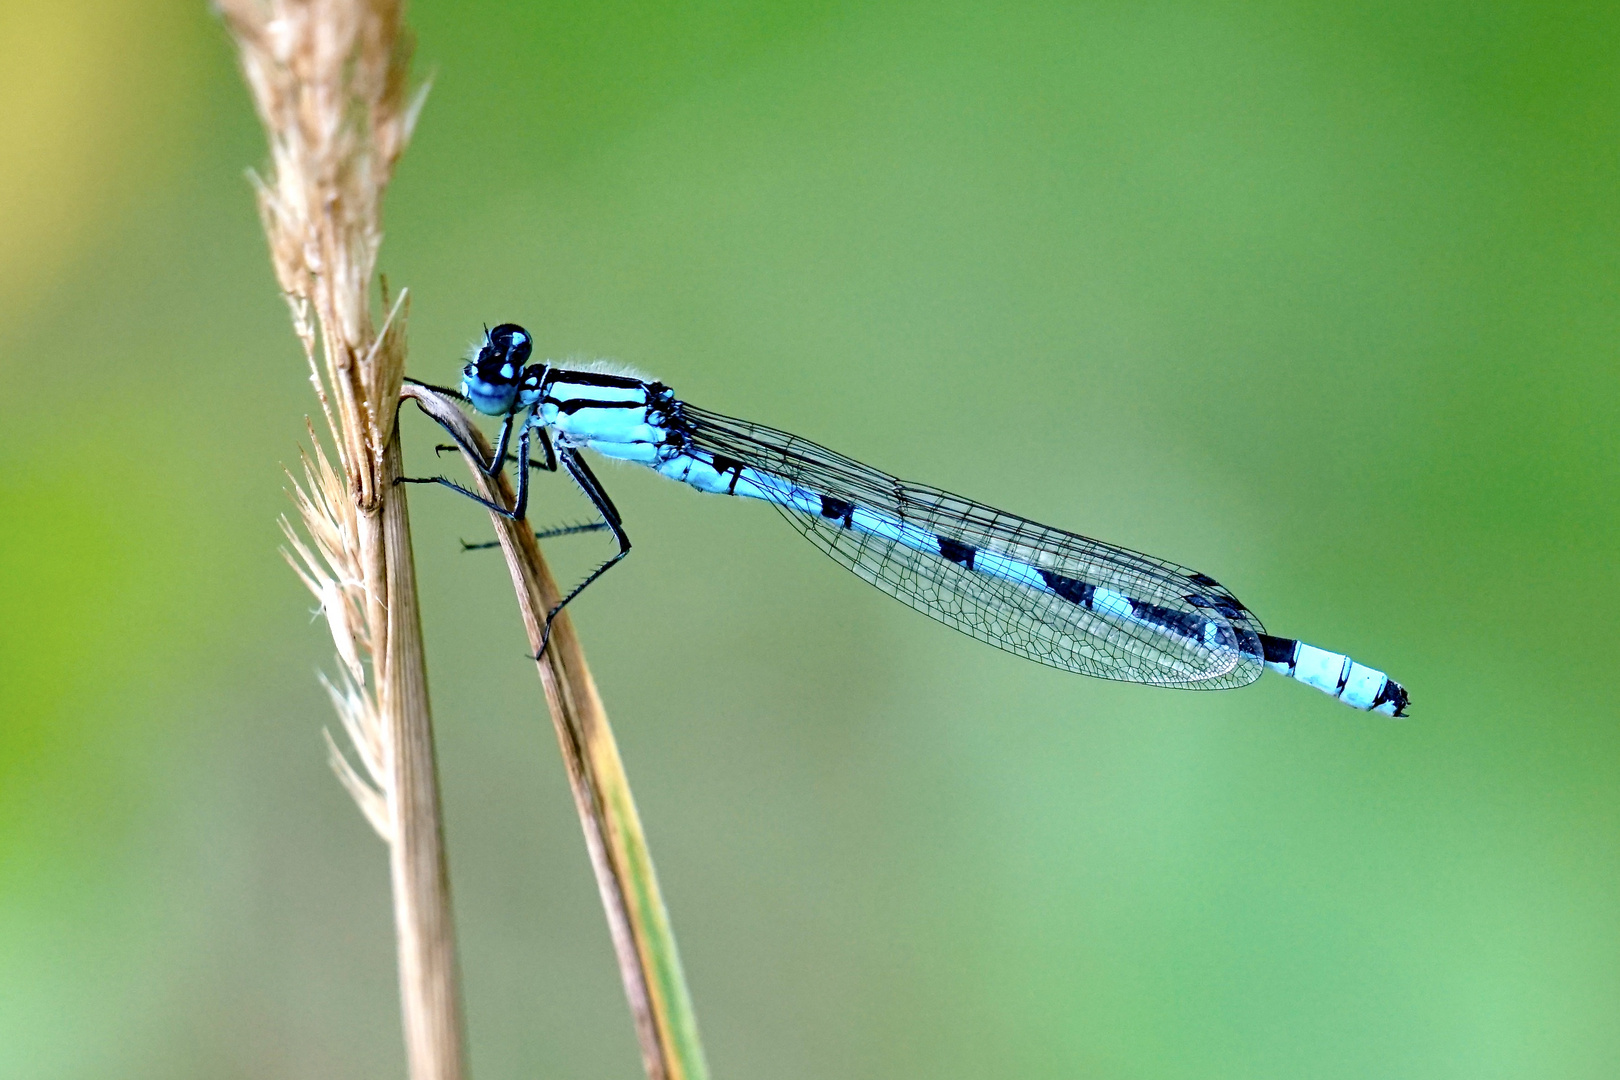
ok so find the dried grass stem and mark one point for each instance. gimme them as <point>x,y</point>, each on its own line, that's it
<point>329,81</point>
<point>639,925</point>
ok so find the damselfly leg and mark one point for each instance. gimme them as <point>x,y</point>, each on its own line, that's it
<point>543,534</point>
<point>577,469</point>
<point>592,487</point>
<point>497,463</point>
<point>547,466</point>
<point>550,465</point>
<point>491,467</point>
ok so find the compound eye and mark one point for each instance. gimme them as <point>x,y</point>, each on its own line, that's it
<point>512,345</point>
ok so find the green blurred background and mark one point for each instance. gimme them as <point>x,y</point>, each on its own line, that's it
<point>1319,299</point>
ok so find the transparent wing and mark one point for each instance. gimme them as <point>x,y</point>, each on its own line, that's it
<point>1059,598</point>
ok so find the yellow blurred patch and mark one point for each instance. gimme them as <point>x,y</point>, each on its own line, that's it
<point>88,118</point>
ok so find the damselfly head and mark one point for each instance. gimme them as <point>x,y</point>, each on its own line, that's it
<point>490,379</point>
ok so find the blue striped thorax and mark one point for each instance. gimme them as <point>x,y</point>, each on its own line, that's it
<point>491,378</point>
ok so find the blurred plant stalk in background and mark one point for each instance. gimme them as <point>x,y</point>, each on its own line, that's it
<point>329,80</point>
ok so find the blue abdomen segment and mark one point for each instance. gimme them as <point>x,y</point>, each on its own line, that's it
<point>714,474</point>
<point>1336,675</point>
<point>699,469</point>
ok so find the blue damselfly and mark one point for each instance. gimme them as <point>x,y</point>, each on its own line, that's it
<point>1053,596</point>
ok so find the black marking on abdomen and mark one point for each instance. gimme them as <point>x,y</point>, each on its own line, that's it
<point>1227,606</point>
<point>1278,650</point>
<point>1075,592</point>
<point>832,508</point>
<point>1392,692</point>
<point>956,551</point>
<point>723,465</point>
<point>1184,623</point>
